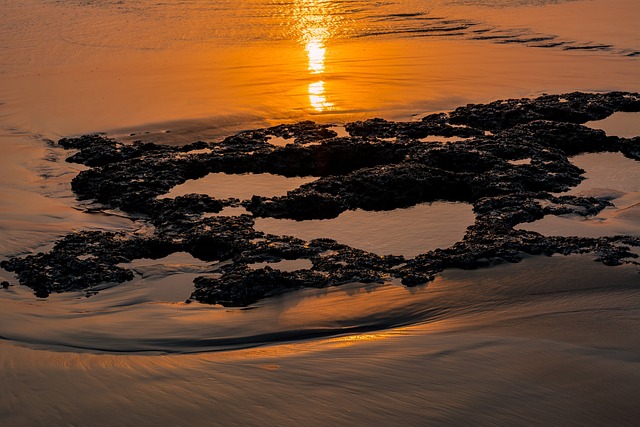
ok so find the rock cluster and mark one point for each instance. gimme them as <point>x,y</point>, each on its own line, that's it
<point>382,165</point>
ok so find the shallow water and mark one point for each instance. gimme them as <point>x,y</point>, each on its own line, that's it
<point>37,205</point>
<point>241,186</point>
<point>607,175</point>
<point>496,345</point>
<point>547,341</point>
<point>108,65</point>
<point>626,125</point>
<point>137,315</point>
<point>407,232</point>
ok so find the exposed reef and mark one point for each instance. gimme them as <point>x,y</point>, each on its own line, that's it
<point>382,165</point>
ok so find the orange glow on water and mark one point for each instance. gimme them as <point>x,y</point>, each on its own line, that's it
<point>317,97</point>
<point>314,26</point>
<point>281,62</point>
<point>315,52</point>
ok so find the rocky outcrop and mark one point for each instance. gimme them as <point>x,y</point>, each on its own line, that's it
<point>382,165</point>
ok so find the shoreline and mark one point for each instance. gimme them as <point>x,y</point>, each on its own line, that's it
<point>569,356</point>
<point>455,299</point>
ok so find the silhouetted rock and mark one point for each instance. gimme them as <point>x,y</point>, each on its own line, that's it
<point>383,165</point>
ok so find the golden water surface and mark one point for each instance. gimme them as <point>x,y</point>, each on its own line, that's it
<point>74,67</point>
<point>550,341</point>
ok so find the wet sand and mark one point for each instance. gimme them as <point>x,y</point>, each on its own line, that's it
<point>487,351</point>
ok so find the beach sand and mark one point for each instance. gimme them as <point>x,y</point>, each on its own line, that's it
<point>556,351</point>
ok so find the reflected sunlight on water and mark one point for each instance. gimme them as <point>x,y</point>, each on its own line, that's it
<point>106,65</point>
<point>316,50</point>
<point>315,22</point>
<point>317,97</point>
<point>547,341</point>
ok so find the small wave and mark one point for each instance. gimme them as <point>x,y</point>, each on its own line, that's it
<point>126,319</point>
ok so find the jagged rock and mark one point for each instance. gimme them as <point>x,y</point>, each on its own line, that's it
<point>383,165</point>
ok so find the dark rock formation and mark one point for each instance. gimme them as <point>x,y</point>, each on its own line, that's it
<point>367,170</point>
<point>573,107</point>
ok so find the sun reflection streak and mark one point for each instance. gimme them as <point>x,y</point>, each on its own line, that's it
<point>317,97</point>
<point>314,20</point>
<point>315,52</point>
